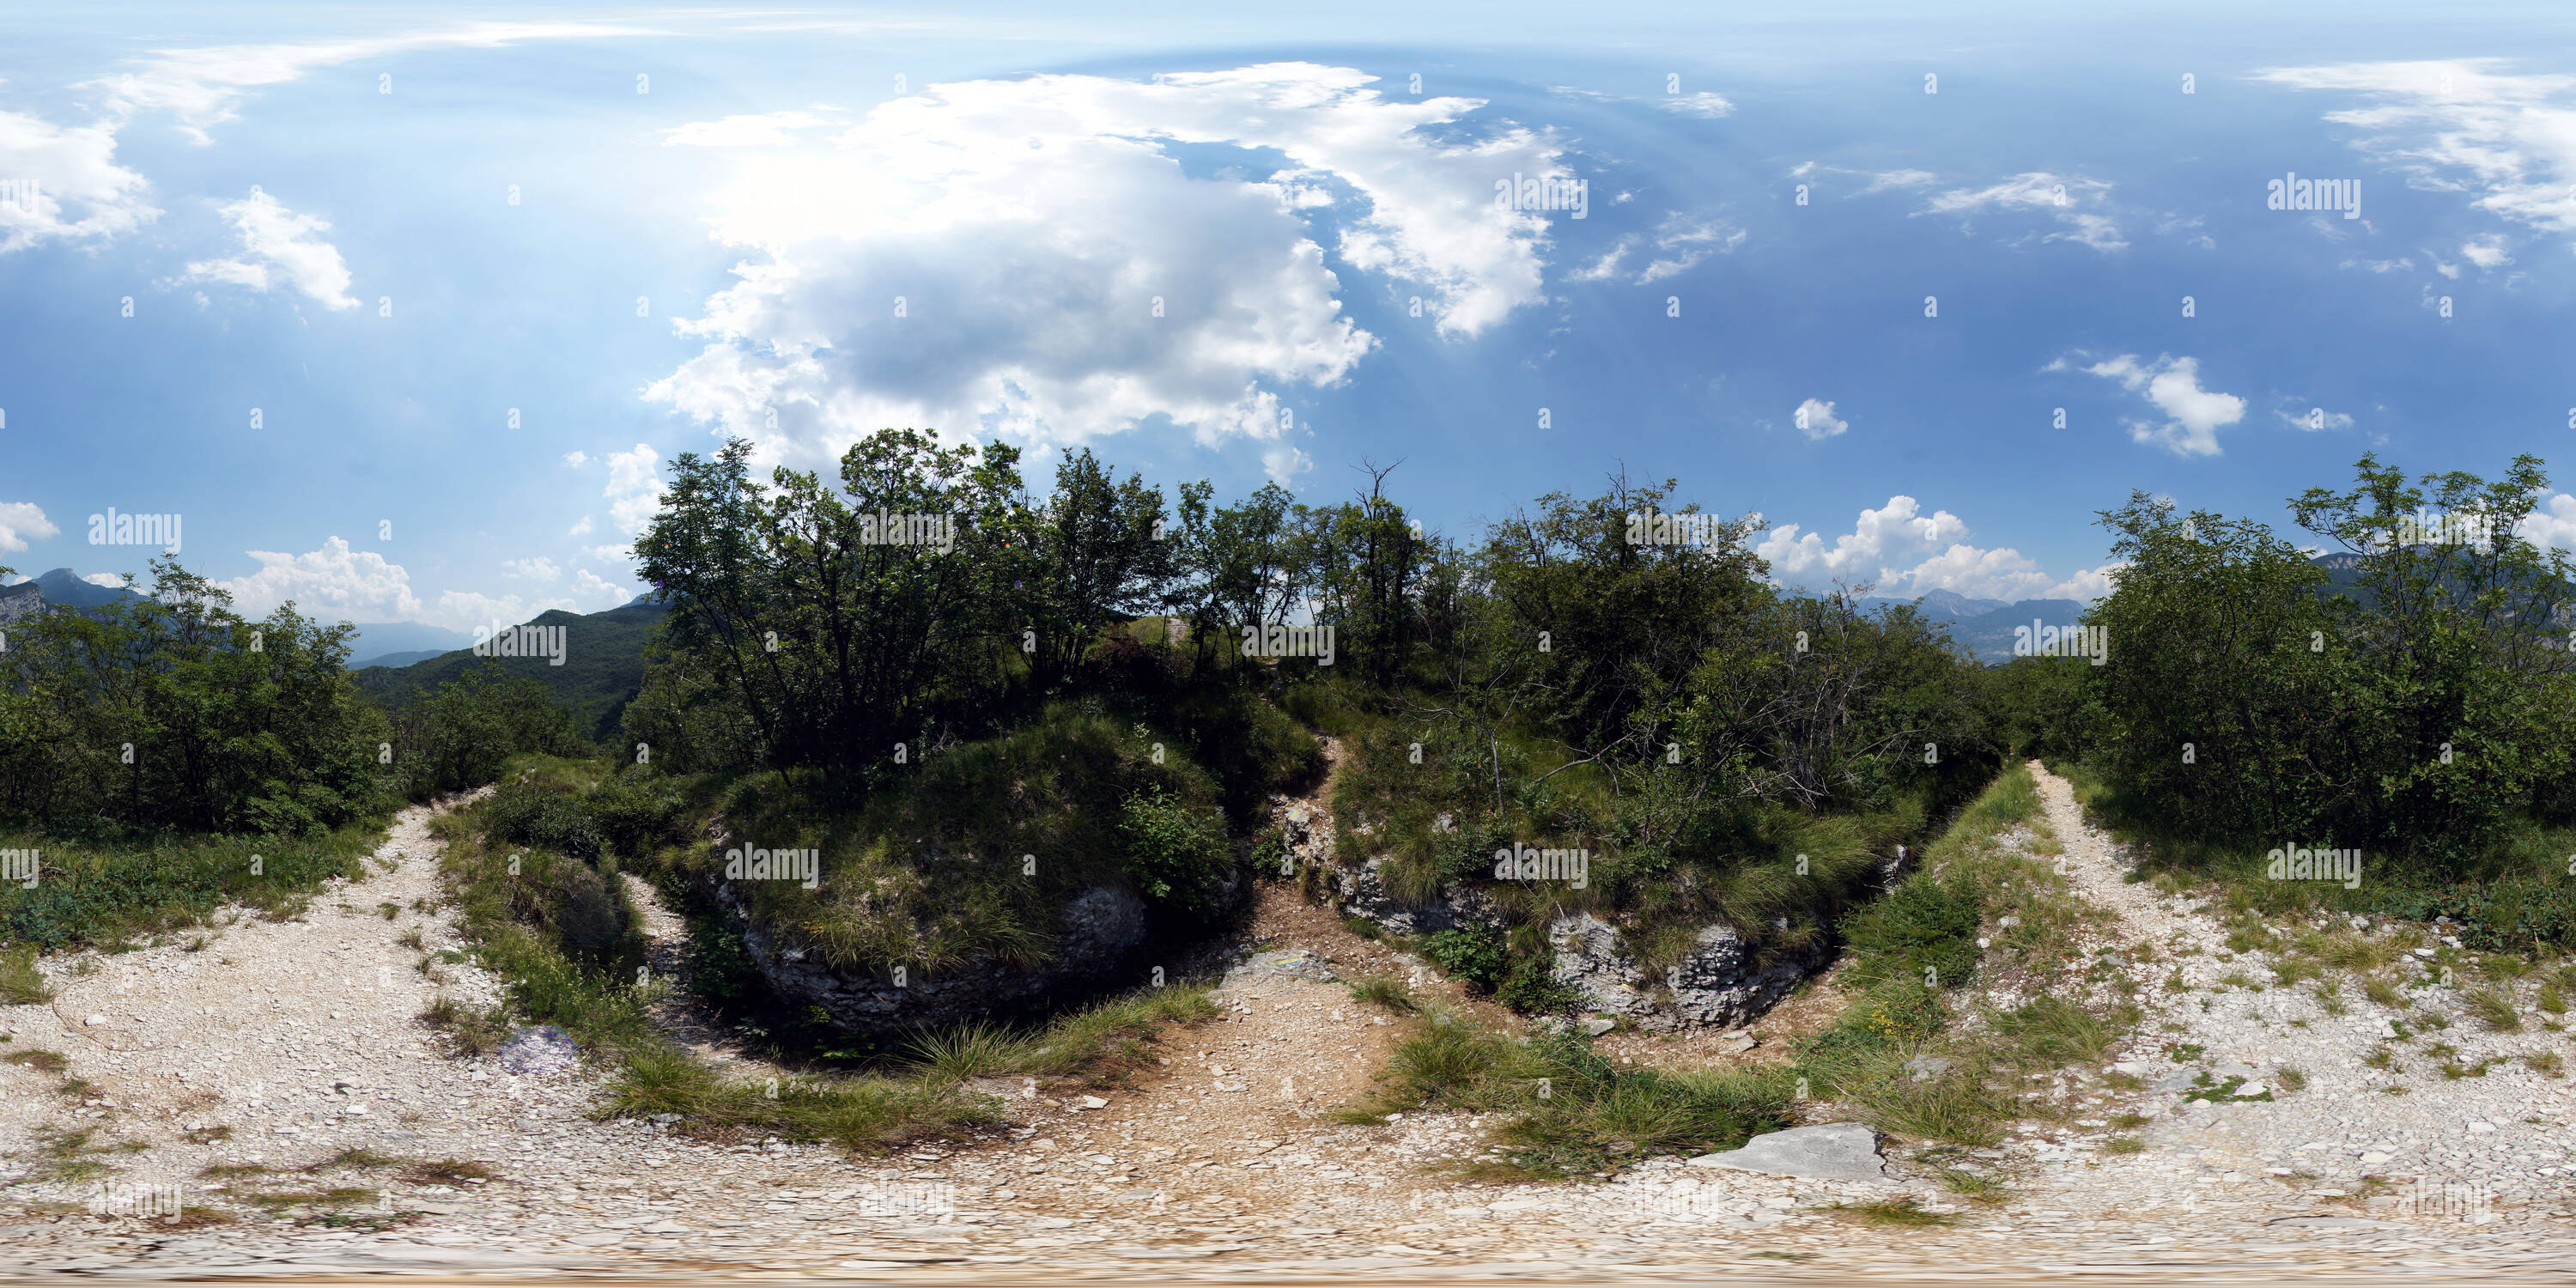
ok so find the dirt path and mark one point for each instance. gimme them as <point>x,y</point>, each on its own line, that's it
<point>1219,1162</point>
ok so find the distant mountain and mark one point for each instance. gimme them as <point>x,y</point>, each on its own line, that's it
<point>395,659</point>
<point>378,642</point>
<point>1983,628</point>
<point>602,671</point>
<point>62,587</point>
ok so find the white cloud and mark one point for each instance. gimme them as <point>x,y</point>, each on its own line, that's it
<point>1284,463</point>
<point>2173,384</point>
<point>360,585</point>
<point>591,587</point>
<point>2486,252</point>
<point>1882,180</point>
<point>762,130</point>
<point>580,528</point>
<point>537,569</point>
<point>2314,418</point>
<point>65,184</point>
<point>1899,526</point>
<point>576,458</point>
<point>634,489</point>
<point>2063,195</point>
<point>1899,551</point>
<point>2380,265</point>
<point>1685,242</point>
<point>1005,215</point>
<point>2552,524</point>
<point>1702,103</point>
<point>610,554</point>
<point>110,580</point>
<point>202,87</point>
<point>279,247</point>
<point>334,579</point>
<point>1817,421</point>
<point>2463,126</point>
<point>20,520</point>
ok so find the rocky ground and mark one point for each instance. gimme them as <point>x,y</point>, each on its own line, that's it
<point>282,1045</point>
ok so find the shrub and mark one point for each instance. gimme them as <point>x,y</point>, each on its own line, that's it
<point>1472,953</point>
<point>1925,925</point>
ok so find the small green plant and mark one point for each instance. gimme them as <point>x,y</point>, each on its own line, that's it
<point>2382,993</point>
<point>968,1051</point>
<point>2546,1062</point>
<point>53,1062</point>
<point>1904,1211</point>
<point>1387,993</point>
<point>2495,1009</point>
<point>21,984</point>
<point>2124,1145</point>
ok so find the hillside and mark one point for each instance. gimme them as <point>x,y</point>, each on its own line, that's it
<point>603,666</point>
<point>1983,628</point>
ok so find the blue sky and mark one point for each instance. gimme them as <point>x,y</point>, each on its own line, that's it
<point>310,209</point>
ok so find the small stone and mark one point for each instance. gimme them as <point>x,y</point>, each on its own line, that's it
<point>1094,1102</point>
<point>95,1020</point>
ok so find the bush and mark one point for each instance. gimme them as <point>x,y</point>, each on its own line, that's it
<point>538,815</point>
<point>1176,856</point>
<point>1925,925</point>
<point>1472,953</point>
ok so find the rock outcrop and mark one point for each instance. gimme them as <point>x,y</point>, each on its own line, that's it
<point>1100,931</point>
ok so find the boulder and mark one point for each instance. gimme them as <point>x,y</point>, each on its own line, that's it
<point>1831,1152</point>
<point>1719,985</point>
<point>1100,928</point>
<point>539,1050</point>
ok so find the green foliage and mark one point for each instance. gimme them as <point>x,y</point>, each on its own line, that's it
<point>1569,1112</point>
<point>106,893</point>
<point>1175,855</point>
<point>1472,953</point>
<point>1925,930</point>
<point>2415,708</point>
<point>172,712</point>
<point>603,666</point>
<point>459,735</point>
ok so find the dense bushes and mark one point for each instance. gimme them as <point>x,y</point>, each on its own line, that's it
<point>2413,697</point>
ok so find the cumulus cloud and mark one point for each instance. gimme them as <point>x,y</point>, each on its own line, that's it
<point>2063,195</point>
<point>581,527</point>
<point>1815,418</point>
<point>64,184</point>
<point>2486,252</point>
<point>110,580</point>
<point>1284,463</point>
<point>361,585</point>
<point>1702,103</point>
<point>576,458</point>
<point>1900,551</point>
<point>279,248</point>
<point>761,130</point>
<point>2193,415</point>
<point>2463,125</point>
<point>21,520</point>
<point>1003,214</point>
<point>537,569</point>
<point>2552,524</point>
<point>634,489</point>
<point>591,587</point>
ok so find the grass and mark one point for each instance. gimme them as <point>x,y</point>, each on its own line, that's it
<point>1902,1212</point>
<point>68,1156</point>
<point>107,892</point>
<point>21,984</point>
<point>53,1062</point>
<point>2290,1078</point>
<point>474,1032</point>
<point>1567,1111</point>
<point>2495,1009</point>
<point>2124,1145</point>
<point>446,1171</point>
<point>1386,993</point>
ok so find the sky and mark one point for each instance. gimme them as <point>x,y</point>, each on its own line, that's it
<point>404,312</point>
